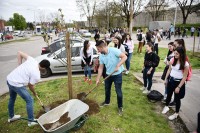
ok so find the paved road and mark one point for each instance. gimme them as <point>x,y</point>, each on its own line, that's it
<point>8,56</point>
<point>190,104</point>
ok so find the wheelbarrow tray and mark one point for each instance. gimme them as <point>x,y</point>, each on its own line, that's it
<point>75,109</point>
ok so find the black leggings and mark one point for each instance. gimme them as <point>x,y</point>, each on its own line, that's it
<point>171,86</point>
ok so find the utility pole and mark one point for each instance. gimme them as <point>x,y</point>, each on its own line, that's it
<point>131,17</point>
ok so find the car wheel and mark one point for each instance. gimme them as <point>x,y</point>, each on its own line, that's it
<point>46,73</point>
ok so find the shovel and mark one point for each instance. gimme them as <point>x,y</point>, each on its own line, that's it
<point>46,109</point>
<point>83,95</point>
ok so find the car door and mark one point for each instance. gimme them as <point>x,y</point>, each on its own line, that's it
<point>60,62</point>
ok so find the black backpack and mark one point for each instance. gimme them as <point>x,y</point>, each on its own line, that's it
<point>155,96</point>
<point>156,59</point>
<point>139,37</point>
<point>126,48</point>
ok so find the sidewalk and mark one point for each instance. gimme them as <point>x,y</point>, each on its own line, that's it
<point>190,105</point>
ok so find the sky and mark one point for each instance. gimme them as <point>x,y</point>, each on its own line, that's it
<point>28,8</point>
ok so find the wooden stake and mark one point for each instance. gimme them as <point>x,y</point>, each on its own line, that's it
<point>69,67</point>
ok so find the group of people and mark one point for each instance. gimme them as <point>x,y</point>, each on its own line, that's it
<point>113,56</point>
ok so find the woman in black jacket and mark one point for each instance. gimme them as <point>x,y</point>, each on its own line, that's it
<point>149,68</point>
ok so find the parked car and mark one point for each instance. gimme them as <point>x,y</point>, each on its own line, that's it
<point>85,33</point>
<point>8,37</point>
<point>58,60</point>
<point>59,43</point>
<point>21,34</point>
<point>16,32</point>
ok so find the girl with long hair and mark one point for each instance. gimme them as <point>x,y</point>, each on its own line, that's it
<point>149,68</point>
<point>177,72</point>
<point>86,54</point>
<point>170,55</point>
<point>129,42</point>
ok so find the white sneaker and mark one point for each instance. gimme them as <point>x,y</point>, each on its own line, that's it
<point>165,110</point>
<point>32,123</point>
<point>143,88</point>
<point>14,118</point>
<point>172,117</point>
<point>146,91</point>
<point>127,72</point>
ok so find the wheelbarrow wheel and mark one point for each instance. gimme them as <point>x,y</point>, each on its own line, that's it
<point>80,123</point>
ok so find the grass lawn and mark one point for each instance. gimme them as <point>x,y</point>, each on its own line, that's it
<point>139,116</point>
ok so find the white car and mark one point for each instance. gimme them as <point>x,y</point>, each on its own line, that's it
<point>16,32</point>
<point>85,33</point>
<point>58,60</point>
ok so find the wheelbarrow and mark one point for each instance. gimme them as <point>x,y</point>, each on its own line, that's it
<point>76,111</point>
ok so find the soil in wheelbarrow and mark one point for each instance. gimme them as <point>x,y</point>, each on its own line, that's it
<point>63,119</point>
<point>93,107</point>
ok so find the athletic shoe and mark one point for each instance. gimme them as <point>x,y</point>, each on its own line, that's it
<point>143,88</point>
<point>127,72</point>
<point>165,110</point>
<point>104,104</point>
<point>146,91</point>
<point>120,110</point>
<point>14,118</point>
<point>86,79</point>
<point>172,117</point>
<point>172,104</point>
<point>32,123</point>
<point>90,81</point>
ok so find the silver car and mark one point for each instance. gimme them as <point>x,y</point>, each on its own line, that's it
<point>58,61</point>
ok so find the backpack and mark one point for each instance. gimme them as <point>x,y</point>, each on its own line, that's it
<point>157,60</point>
<point>155,96</point>
<point>189,75</point>
<point>139,37</point>
<point>126,48</point>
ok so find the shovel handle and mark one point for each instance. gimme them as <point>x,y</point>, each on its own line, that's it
<point>39,101</point>
<point>99,84</point>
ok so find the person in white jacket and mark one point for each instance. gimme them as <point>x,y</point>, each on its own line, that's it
<point>130,46</point>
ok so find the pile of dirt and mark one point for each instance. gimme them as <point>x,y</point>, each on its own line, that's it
<point>81,96</point>
<point>63,119</point>
<point>93,107</point>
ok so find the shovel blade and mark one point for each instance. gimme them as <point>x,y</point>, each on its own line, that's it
<point>46,109</point>
<point>81,96</point>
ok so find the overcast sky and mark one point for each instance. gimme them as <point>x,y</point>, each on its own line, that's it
<point>27,8</point>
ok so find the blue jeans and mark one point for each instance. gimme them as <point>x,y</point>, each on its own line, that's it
<point>117,79</point>
<point>147,78</point>
<point>128,60</point>
<point>87,71</point>
<point>25,95</point>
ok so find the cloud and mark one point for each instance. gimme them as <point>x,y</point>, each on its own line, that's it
<point>29,8</point>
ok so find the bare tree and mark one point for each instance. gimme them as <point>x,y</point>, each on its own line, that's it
<point>125,9</point>
<point>188,7</point>
<point>156,8</point>
<point>87,7</point>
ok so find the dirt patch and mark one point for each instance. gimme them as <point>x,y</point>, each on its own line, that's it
<point>63,119</point>
<point>81,96</point>
<point>93,107</point>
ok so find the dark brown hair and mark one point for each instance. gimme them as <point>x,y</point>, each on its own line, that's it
<point>182,58</point>
<point>85,47</point>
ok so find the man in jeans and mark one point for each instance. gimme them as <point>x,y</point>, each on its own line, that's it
<point>113,59</point>
<point>27,73</point>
